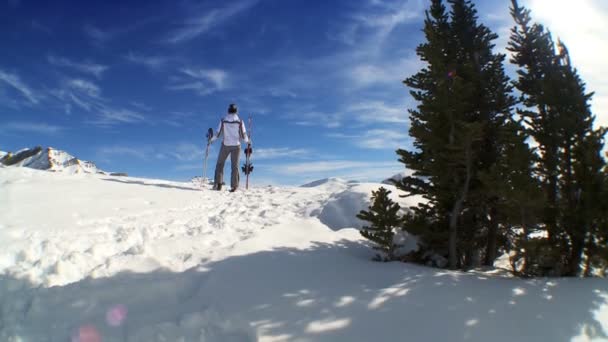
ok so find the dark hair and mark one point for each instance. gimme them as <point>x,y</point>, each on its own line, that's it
<point>232,108</point>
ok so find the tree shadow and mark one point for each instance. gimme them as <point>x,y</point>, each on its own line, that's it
<point>326,292</point>
<point>160,185</point>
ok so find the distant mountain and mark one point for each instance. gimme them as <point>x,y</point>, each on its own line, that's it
<point>396,178</point>
<point>49,159</point>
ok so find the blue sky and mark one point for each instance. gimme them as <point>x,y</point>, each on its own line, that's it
<point>133,86</point>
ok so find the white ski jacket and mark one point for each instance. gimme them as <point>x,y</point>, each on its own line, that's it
<point>233,129</point>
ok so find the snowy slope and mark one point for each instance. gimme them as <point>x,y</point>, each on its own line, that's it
<point>88,257</point>
<point>50,159</point>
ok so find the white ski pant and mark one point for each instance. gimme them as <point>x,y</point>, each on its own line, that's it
<point>234,152</point>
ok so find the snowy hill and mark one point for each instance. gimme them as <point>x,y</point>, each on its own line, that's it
<point>49,159</point>
<point>127,259</point>
<point>396,178</point>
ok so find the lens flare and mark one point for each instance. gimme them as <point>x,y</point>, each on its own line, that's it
<point>87,333</point>
<point>116,315</point>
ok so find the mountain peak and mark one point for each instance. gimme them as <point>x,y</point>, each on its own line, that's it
<point>49,159</point>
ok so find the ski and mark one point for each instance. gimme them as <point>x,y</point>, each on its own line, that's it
<point>248,167</point>
<point>209,136</point>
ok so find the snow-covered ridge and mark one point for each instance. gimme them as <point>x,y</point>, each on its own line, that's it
<point>49,159</point>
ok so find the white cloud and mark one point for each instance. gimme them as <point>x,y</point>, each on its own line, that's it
<point>201,81</point>
<point>84,67</point>
<point>111,116</point>
<point>87,95</point>
<point>216,76</point>
<point>308,117</point>
<point>151,62</point>
<point>180,152</point>
<point>139,152</point>
<point>378,112</point>
<point>378,19</point>
<point>385,72</point>
<point>377,139</point>
<point>319,166</point>
<point>347,169</point>
<point>15,82</point>
<point>31,127</point>
<point>281,152</point>
<point>186,152</point>
<point>207,20</point>
<point>86,87</point>
<point>98,36</point>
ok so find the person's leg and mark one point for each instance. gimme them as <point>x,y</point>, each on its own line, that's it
<point>235,154</point>
<point>219,167</point>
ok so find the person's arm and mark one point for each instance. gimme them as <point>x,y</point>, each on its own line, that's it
<point>218,131</point>
<point>246,137</point>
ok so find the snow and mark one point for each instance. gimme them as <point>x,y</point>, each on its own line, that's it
<point>88,257</point>
<point>57,161</point>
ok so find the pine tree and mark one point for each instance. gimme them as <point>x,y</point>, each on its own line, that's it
<point>560,120</point>
<point>534,53</point>
<point>463,101</point>
<point>384,217</point>
<point>518,193</point>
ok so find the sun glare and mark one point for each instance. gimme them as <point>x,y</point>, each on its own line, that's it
<point>581,25</point>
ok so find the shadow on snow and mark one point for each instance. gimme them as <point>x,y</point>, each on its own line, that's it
<point>328,292</point>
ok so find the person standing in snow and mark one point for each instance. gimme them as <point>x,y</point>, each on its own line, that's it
<point>233,130</point>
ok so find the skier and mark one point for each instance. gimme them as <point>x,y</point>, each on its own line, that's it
<point>233,130</point>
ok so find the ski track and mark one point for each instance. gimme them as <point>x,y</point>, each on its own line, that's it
<point>205,230</point>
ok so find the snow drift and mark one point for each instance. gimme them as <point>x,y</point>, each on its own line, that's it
<point>127,259</point>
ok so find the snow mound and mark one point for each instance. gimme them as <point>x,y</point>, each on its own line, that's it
<point>332,181</point>
<point>341,208</point>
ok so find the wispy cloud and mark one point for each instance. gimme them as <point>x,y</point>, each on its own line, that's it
<point>97,35</point>
<point>312,117</point>
<point>378,112</point>
<point>38,26</point>
<point>376,20</point>
<point>142,153</point>
<point>347,169</point>
<point>13,81</point>
<point>112,116</point>
<point>200,81</point>
<point>86,87</point>
<point>100,37</point>
<point>207,20</point>
<point>377,139</point>
<point>86,67</point>
<point>177,153</point>
<point>87,96</point>
<point>281,153</point>
<point>384,72</point>
<point>178,119</point>
<point>31,127</point>
<point>152,62</point>
<point>319,166</point>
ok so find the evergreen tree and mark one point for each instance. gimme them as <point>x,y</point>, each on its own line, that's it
<point>384,217</point>
<point>559,119</point>
<point>518,193</point>
<point>463,101</point>
<point>533,51</point>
